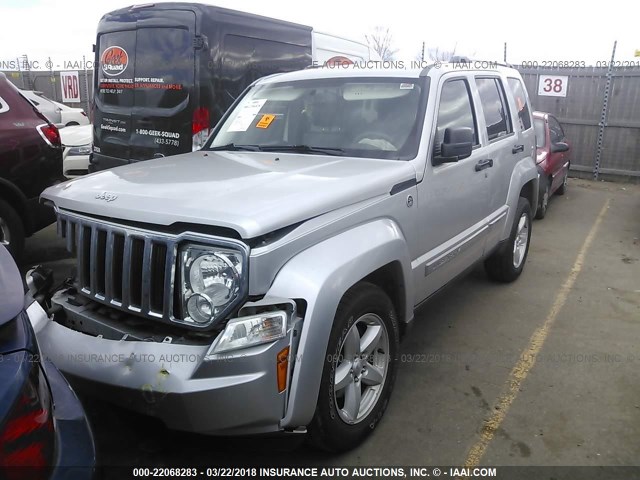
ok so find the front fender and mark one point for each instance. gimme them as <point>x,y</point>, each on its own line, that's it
<point>321,275</point>
<point>525,171</point>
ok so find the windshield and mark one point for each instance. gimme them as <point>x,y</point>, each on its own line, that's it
<point>361,117</point>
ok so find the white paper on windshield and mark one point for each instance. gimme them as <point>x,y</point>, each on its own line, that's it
<point>246,116</point>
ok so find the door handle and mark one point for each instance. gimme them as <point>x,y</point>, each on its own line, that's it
<point>482,164</point>
<point>517,149</point>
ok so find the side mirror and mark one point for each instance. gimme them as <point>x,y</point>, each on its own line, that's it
<point>559,147</point>
<point>457,144</point>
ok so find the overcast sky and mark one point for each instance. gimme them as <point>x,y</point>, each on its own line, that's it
<point>534,30</point>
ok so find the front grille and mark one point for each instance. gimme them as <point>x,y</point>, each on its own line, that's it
<point>135,269</point>
<point>127,268</point>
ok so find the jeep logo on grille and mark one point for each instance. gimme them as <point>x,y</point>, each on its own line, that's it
<point>107,197</point>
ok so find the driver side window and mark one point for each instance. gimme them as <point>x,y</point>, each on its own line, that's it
<point>454,111</point>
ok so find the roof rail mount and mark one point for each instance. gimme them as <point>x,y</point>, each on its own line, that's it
<point>459,59</point>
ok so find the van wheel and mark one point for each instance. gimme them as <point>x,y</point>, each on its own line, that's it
<point>544,201</point>
<point>507,263</point>
<point>11,230</point>
<point>359,369</point>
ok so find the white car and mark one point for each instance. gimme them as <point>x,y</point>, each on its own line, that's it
<point>45,106</point>
<point>71,116</point>
<point>77,142</point>
<point>57,113</point>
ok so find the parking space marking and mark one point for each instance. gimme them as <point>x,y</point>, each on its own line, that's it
<point>528,356</point>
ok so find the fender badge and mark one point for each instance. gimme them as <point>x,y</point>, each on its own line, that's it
<point>108,197</point>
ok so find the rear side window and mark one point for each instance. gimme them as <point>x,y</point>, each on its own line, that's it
<point>164,67</point>
<point>494,105</point>
<point>247,59</point>
<point>518,92</point>
<point>148,67</point>
<point>455,111</point>
<point>4,106</point>
<point>115,71</point>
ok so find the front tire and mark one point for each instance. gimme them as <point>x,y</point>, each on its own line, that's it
<point>359,369</point>
<point>506,263</point>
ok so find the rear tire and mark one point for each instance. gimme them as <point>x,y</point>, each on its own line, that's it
<point>356,382</point>
<point>544,201</point>
<point>563,188</point>
<point>11,230</point>
<point>506,263</point>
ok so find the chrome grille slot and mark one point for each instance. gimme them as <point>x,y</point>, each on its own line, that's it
<point>84,254</point>
<point>100,258</point>
<point>129,268</point>
<point>157,284</point>
<point>117,265</point>
<point>135,261</point>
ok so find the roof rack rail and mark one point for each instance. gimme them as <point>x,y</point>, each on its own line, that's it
<point>463,59</point>
<point>459,59</point>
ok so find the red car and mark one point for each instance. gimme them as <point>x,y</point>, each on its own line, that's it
<point>552,158</point>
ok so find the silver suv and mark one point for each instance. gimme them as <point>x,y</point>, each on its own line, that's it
<point>262,283</point>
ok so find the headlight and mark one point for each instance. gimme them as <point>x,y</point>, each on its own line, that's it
<point>83,150</point>
<point>212,282</point>
<point>249,331</point>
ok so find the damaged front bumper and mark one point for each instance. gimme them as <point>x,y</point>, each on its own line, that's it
<point>176,380</point>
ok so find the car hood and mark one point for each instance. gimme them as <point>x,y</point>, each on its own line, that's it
<point>253,193</point>
<point>76,135</point>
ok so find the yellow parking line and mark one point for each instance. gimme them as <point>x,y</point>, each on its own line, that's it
<point>528,356</point>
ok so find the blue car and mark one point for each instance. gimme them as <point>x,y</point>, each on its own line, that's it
<point>44,432</point>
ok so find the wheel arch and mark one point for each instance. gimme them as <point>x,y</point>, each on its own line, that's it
<point>16,199</point>
<point>321,275</point>
<point>524,183</point>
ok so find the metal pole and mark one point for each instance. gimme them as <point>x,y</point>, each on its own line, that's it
<point>27,70</point>
<point>603,114</point>
<point>52,78</point>
<point>86,86</point>
<point>422,56</point>
<point>505,52</point>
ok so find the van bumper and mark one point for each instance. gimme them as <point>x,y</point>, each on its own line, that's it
<point>98,162</point>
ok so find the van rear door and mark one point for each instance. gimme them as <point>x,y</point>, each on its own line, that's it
<point>145,87</point>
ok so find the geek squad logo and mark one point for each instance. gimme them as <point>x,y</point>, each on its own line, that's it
<point>114,60</point>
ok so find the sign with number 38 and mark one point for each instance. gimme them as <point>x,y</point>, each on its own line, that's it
<point>553,86</point>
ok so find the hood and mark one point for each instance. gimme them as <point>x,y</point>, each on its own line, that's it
<point>253,193</point>
<point>76,136</point>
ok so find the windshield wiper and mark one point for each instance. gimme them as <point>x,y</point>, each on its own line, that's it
<point>302,149</point>
<point>234,147</point>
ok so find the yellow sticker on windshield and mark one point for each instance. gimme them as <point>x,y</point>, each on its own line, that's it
<point>266,120</point>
